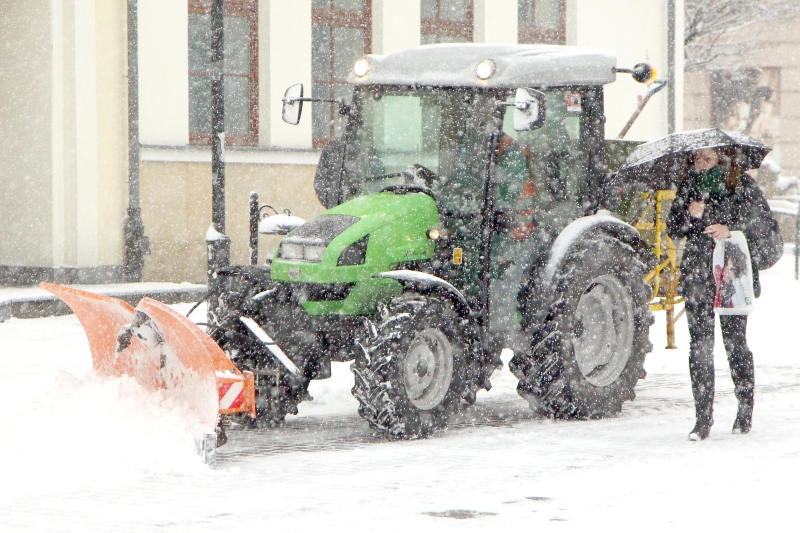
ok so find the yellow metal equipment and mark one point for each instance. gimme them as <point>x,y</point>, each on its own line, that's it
<point>664,277</point>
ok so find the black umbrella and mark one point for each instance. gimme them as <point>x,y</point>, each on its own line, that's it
<point>668,159</point>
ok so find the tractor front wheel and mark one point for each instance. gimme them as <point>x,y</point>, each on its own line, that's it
<point>410,376</point>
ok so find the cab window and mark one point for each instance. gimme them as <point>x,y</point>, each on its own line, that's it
<point>558,157</point>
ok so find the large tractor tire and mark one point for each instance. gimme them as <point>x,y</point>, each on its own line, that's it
<point>419,363</point>
<point>278,392</point>
<point>587,357</point>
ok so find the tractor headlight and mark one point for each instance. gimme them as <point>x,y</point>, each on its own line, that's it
<point>485,69</point>
<point>309,241</point>
<point>361,67</point>
<point>355,254</point>
<point>292,251</point>
<point>313,253</point>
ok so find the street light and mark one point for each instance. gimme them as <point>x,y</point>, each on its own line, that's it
<point>218,244</point>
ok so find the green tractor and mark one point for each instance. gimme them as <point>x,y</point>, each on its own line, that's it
<point>466,213</point>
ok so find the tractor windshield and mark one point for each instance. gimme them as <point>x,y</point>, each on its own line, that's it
<point>445,130</point>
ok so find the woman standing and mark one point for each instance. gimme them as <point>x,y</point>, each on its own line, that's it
<point>715,199</point>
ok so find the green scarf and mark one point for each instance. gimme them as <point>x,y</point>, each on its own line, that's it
<point>712,181</point>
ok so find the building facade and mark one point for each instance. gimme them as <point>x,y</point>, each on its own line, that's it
<point>754,92</point>
<point>64,102</point>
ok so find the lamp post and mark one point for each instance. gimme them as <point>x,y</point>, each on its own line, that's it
<point>136,243</point>
<point>218,244</point>
<point>671,35</point>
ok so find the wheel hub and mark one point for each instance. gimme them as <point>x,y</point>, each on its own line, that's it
<point>603,330</point>
<point>428,368</point>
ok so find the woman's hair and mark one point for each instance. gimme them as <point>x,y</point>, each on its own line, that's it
<point>736,256</point>
<point>732,161</point>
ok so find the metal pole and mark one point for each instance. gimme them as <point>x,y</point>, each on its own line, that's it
<point>218,244</point>
<point>671,33</point>
<point>797,243</point>
<point>136,243</point>
<point>253,228</point>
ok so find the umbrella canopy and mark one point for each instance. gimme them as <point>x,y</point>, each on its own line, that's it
<point>667,159</point>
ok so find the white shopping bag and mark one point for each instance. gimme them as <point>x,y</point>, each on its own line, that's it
<point>733,274</point>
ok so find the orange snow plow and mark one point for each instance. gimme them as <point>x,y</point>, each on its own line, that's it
<point>161,349</point>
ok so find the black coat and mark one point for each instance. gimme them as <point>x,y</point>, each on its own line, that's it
<point>744,209</point>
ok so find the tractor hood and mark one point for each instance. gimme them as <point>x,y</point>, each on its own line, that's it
<point>358,239</point>
<point>377,210</point>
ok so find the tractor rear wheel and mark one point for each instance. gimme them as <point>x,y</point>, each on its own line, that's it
<point>587,357</point>
<point>410,376</point>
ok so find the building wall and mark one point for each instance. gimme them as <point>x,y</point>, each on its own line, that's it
<point>288,47</point>
<point>112,129</point>
<point>164,72</point>
<point>773,47</point>
<point>62,106</point>
<point>495,21</point>
<point>395,25</point>
<point>697,102</point>
<point>177,217</point>
<point>636,30</point>
<point>25,122</point>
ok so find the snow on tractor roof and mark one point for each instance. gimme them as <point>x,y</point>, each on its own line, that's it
<point>455,65</point>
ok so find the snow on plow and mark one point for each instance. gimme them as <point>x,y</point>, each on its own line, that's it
<point>161,349</point>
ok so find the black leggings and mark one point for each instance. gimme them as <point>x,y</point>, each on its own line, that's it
<point>701,357</point>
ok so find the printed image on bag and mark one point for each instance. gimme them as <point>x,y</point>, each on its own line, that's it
<point>733,274</point>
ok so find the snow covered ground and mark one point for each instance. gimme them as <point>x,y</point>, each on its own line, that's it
<point>82,454</point>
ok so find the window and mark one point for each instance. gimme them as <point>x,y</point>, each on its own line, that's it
<point>443,129</point>
<point>563,149</point>
<point>542,22</point>
<point>341,33</point>
<point>241,72</point>
<point>446,21</point>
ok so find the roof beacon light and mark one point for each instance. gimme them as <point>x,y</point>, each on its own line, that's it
<point>644,73</point>
<point>485,69</point>
<point>361,67</point>
<point>641,72</point>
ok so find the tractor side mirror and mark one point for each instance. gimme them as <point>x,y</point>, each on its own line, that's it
<point>529,109</point>
<point>293,104</point>
<point>328,179</point>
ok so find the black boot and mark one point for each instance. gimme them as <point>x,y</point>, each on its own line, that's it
<point>701,430</point>
<point>744,417</point>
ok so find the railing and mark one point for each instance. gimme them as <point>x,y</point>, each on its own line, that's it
<point>789,206</point>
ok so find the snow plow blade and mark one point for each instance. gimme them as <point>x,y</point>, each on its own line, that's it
<point>161,349</point>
